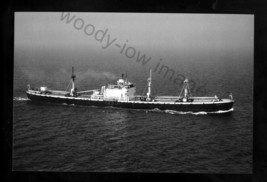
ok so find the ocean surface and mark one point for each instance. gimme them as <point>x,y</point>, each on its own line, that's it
<point>48,137</point>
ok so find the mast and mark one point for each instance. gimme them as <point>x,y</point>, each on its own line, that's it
<point>149,80</point>
<point>185,90</point>
<point>72,91</point>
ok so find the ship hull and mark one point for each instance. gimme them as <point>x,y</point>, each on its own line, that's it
<point>184,107</point>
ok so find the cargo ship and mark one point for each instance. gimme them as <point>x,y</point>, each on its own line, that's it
<point>122,95</point>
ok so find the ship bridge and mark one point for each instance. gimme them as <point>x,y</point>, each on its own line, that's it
<point>123,90</point>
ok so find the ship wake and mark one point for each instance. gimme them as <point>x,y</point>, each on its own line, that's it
<point>20,99</point>
<point>190,112</point>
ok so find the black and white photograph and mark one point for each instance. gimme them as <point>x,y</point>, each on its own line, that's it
<point>133,92</point>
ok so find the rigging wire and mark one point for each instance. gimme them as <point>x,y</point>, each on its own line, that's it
<point>144,90</point>
<point>68,86</point>
<point>181,91</point>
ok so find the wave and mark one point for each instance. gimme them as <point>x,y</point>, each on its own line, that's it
<point>220,111</point>
<point>20,99</point>
<point>190,112</point>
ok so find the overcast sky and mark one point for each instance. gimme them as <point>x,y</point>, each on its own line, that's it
<point>209,39</point>
<point>172,31</point>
